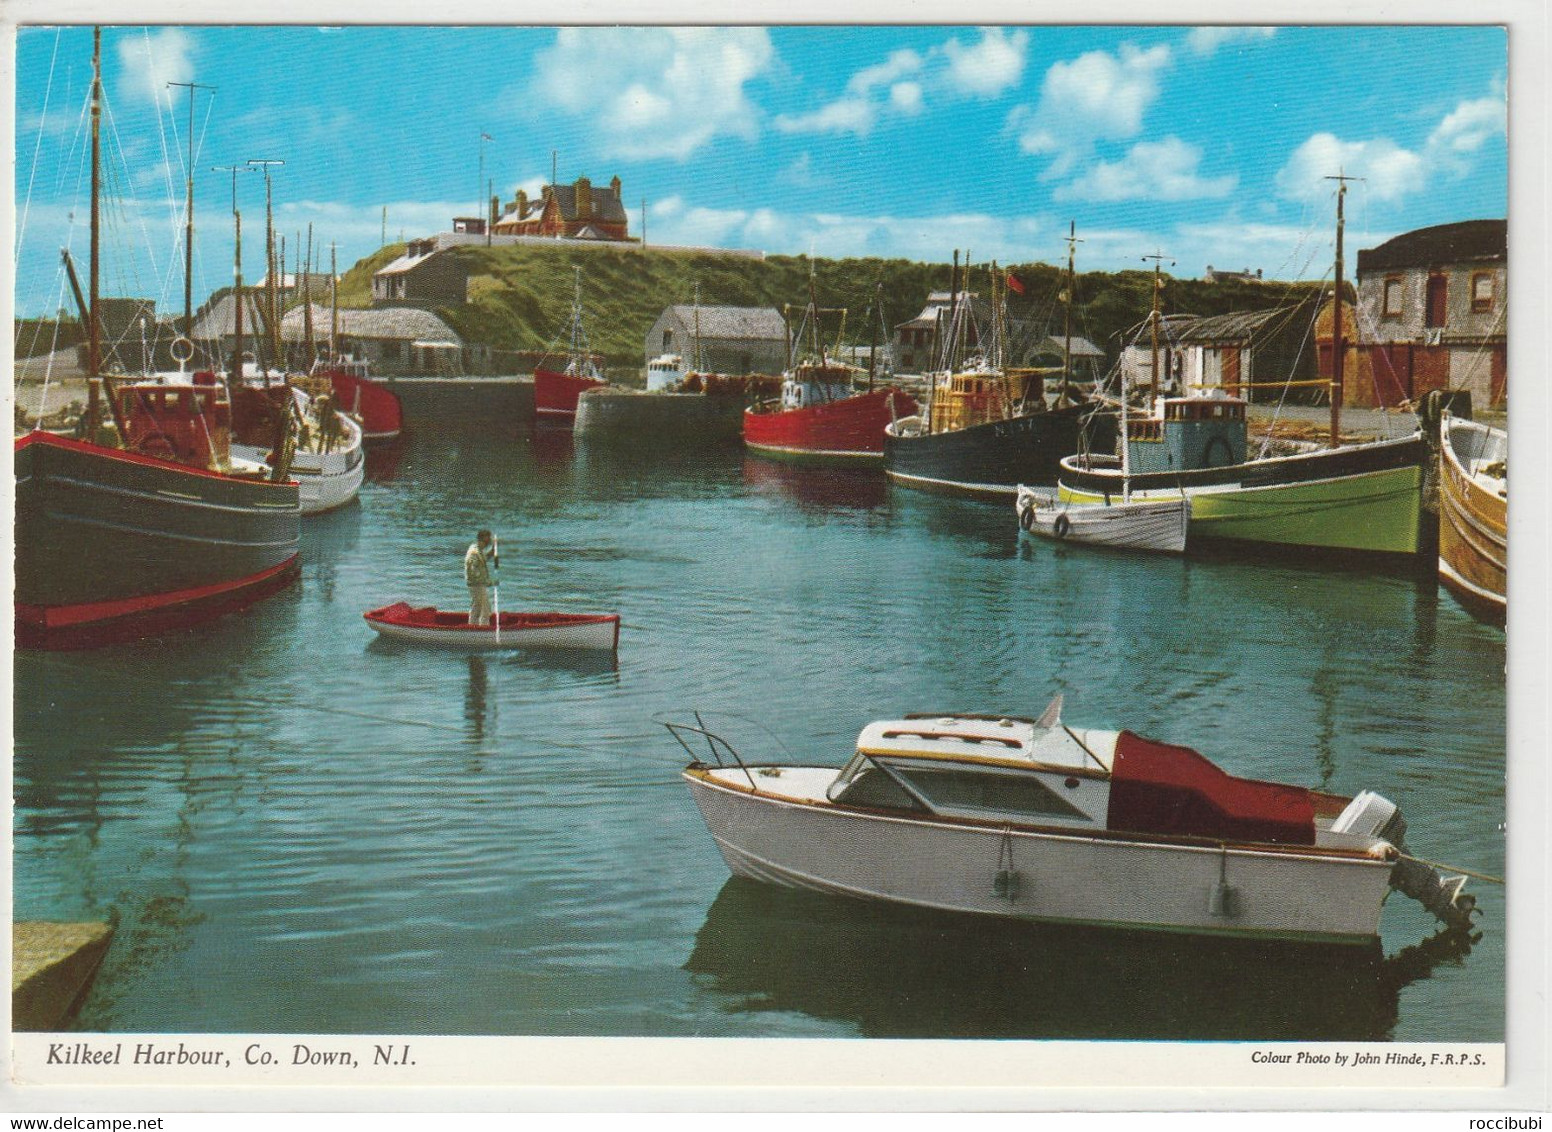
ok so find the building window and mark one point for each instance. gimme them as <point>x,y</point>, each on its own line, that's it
<point>1482,292</point>
<point>1392,308</point>
<point>668,340</point>
<point>1438,301</point>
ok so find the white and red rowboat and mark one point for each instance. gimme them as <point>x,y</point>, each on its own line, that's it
<point>450,629</point>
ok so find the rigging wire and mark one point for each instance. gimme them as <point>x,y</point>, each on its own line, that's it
<point>37,150</point>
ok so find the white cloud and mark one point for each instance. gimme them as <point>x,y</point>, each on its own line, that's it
<point>655,92</point>
<point>927,238</point>
<point>1465,130</point>
<point>987,68</point>
<point>1205,41</point>
<point>1389,171</point>
<point>903,82</point>
<point>1162,170</point>
<point>906,97</point>
<point>857,110</point>
<point>152,60</point>
<point>1097,96</point>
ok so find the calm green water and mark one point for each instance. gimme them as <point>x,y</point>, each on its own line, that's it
<point>300,829</point>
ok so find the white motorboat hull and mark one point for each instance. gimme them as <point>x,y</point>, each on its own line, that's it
<point>1154,525</point>
<point>1076,878</point>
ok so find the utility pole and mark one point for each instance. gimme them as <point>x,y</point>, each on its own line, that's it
<point>188,208</point>
<point>484,207</point>
<point>1338,360</point>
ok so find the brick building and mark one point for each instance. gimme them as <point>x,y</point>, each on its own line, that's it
<point>576,211</point>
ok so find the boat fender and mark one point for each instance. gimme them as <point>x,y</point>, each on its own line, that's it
<point>1223,898</point>
<point>1027,518</point>
<point>1006,884</point>
<point>1062,526</point>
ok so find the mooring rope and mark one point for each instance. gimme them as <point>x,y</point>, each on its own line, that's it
<point>1454,869</point>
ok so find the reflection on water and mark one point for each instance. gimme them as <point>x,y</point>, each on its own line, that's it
<point>303,828</point>
<point>897,972</point>
<point>820,489</point>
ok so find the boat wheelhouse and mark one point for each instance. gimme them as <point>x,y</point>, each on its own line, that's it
<point>665,372</point>
<point>1032,819</point>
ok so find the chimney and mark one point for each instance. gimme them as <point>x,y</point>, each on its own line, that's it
<point>614,186</point>
<point>521,204</point>
<point>584,198</point>
<point>495,211</point>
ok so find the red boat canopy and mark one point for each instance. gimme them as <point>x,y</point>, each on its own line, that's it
<point>1159,788</point>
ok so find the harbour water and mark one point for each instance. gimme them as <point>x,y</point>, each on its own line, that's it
<point>301,829</point>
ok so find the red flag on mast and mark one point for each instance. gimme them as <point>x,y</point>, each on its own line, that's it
<point>1014,285</point>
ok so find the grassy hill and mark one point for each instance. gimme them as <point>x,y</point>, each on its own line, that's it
<point>520,295</point>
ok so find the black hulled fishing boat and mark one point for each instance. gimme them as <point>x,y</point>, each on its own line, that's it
<point>143,521</point>
<point>987,427</point>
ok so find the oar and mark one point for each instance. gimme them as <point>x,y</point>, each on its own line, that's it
<point>495,555</point>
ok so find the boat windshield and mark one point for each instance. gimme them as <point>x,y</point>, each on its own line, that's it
<point>862,783</point>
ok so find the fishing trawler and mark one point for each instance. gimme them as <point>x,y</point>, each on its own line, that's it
<point>1362,498</point>
<point>821,416</point>
<point>146,520</point>
<point>373,404</point>
<point>1031,819</point>
<point>1473,516</point>
<point>556,390</point>
<point>987,427</point>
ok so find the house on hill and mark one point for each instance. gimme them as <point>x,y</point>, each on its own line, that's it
<point>916,339</point>
<point>424,276</point>
<point>1087,363</point>
<point>732,340</point>
<point>1432,311</point>
<point>577,211</point>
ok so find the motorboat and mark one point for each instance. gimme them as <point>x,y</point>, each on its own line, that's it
<point>1032,819</point>
<point>508,630</point>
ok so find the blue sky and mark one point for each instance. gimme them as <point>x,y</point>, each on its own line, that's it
<point>1209,144</point>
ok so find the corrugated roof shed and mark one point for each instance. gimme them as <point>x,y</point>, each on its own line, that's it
<point>1468,241</point>
<point>1238,326</point>
<point>220,320</point>
<point>733,322</point>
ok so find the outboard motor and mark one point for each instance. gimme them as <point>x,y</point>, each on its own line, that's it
<point>1375,816</point>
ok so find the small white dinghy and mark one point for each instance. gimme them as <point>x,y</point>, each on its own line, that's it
<point>450,629</point>
<point>1156,525</point>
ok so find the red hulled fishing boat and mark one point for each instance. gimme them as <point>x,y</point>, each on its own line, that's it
<point>820,416</point>
<point>556,390</point>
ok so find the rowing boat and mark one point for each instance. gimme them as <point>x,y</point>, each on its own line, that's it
<point>517,630</point>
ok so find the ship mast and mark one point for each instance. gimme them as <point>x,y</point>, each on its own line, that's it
<point>1072,285</point>
<point>1153,326</point>
<point>334,307</point>
<point>271,296</point>
<point>188,208</point>
<point>93,331</point>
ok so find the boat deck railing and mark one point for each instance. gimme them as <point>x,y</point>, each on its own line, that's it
<point>716,745</point>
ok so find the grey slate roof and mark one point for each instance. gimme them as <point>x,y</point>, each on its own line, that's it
<point>606,206</point>
<point>219,321</point>
<point>732,322</point>
<point>1468,241</point>
<point>408,324</point>
<point>1081,347</point>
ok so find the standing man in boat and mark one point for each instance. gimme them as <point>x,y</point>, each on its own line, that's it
<point>479,571</point>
